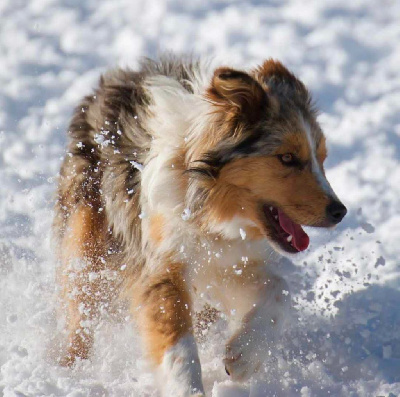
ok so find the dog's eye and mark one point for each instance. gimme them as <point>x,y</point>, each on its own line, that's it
<point>287,159</point>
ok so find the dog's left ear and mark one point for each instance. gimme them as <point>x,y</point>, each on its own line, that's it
<point>238,92</point>
<point>279,79</point>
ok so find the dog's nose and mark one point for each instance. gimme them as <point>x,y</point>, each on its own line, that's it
<point>336,211</point>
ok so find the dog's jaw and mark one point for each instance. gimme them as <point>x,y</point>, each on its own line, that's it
<point>282,231</point>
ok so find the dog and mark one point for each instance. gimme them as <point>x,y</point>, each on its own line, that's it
<point>181,182</point>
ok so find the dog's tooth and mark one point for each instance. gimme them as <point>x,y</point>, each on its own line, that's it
<point>289,238</point>
<point>276,217</point>
<point>271,208</point>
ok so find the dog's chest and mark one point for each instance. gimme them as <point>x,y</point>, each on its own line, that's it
<point>208,265</point>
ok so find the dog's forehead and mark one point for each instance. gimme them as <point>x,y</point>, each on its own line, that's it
<point>315,136</point>
<point>295,132</point>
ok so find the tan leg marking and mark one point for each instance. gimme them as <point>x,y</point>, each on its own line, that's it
<point>165,314</point>
<point>83,290</point>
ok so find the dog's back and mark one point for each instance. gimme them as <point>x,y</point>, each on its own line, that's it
<point>107,148</point>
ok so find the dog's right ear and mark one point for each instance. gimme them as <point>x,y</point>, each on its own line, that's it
<point>238,92</point>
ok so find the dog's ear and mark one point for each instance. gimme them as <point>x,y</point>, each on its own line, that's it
<point>238,92</point>
<point>277,77</point>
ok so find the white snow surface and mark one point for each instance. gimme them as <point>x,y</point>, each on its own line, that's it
<point>344,335</point>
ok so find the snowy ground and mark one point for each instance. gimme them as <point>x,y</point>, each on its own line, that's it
<point>344,338</point>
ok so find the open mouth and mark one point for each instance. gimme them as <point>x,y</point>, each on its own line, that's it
<point>289,235</point>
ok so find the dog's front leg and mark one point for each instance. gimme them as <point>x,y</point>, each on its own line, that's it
<point>166,326</point>
<point>259,299</point>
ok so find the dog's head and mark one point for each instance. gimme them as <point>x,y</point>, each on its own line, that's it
<point>258,169</point>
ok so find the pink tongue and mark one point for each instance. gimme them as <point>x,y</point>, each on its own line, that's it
<point>300,238</point>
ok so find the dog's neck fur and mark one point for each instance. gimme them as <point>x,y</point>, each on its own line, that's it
<point>178,123</point>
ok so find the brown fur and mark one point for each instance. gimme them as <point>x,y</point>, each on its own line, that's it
<point>243,183</point>
<point>262,178</point>
<point>84,288</point>
<point>237,94</point>
<point>166,314</point>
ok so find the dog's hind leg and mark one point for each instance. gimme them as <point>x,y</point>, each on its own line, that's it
<point>84,287</point>
<point>163,307</point>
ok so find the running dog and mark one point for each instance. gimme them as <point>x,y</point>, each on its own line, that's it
<point>182,182</point>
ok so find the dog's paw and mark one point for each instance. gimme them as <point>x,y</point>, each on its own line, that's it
<point>243,356</point>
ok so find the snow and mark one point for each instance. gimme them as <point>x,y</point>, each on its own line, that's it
<point>344,334</point>
<point>186,214</point>
<point>137,165</point>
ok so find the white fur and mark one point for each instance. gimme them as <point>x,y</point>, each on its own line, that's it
<point>172,108</point>
<point>231,229</point>
<point>174,112</point>
<point>316,167</point>
<point>260,328</point>
<point>179,374</point>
